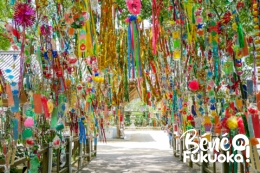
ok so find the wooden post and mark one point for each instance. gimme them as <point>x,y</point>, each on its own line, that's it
<point>84,149</point>
<point>203,164</point>
<point>80,156</point>
<point>242,170</point>
<point>45,162</point>
<point>69,154</point>
<point>118,127</point>
<point>174,148</point>
<point>214,163</point>
<point>214,167</point>
<point>225,165</point>
<point>88,150</point>
<point>190,162</point>
<point>58,160</point>
<point>95,147</point>
<point>181,150</point>
<point>91,147</point>
<point>50,158</point>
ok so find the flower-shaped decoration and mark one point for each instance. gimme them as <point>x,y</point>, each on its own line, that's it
<point>46,30</point>
<point>24,14</point>
<point>134,6</point>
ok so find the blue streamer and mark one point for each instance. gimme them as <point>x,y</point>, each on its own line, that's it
<point>28,86</point>
<point>15,129</point>
<point>15,108</point>
<point>62,85</point>
<point>245,91</point>
<point>193,111</point>
<point>82,132</point>
<point>96,124</point>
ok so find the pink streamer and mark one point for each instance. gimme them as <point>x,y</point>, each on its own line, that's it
<point>155,21</point>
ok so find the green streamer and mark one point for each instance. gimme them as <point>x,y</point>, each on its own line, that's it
<point>126,92</point>
<point>54,117</point>
<point>245,125</point>
<point>193,17</point>
<point>172,117</point>
<point>136,48</point>
<point>240,36</point>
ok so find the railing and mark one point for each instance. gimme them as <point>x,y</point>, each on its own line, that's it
<point>76,158</point>
<point>178,146</point>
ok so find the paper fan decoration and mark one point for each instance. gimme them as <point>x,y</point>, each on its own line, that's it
<point>134,6</point>
<point>24,14</point>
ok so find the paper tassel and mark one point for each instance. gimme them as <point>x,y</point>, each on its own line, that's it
<point>258,100</point>
<point>240,36</point>
<point>95,132</point>
<point>250,126</point>
<point>15,107</point>
<point>9,95</point>
<point>54,117</point>
<point>82,132</point>
<point>15,129</point>
<point>18,117</point>
<point>129,49</point>
<point>23,97</point>
<point>45,107</point>
<point>245,49</point>
<point>27,80</point>
<point>256,125</point>
<point>37,103</point>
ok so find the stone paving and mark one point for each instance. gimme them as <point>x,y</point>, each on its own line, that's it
<point>143,152</point>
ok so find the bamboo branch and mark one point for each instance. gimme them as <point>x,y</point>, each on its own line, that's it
<point>215,9</point>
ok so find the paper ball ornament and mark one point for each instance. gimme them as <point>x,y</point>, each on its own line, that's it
<point>59,127</point>
<point>29,142</point>
<point>29,122</point>
<point>27,133</point>
<point>232,123</point>
<point>134,6</point>
<point>56,142</point>
<point>254,141</point>
<point>194,85</point>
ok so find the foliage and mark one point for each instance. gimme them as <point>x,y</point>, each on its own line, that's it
<point>146,12</point>
<point>134,105</point>
<point>6,13</point>
<point>4,43</point>
<point>127,120</point>
<point>243,15</point>
<point>140,119</point>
